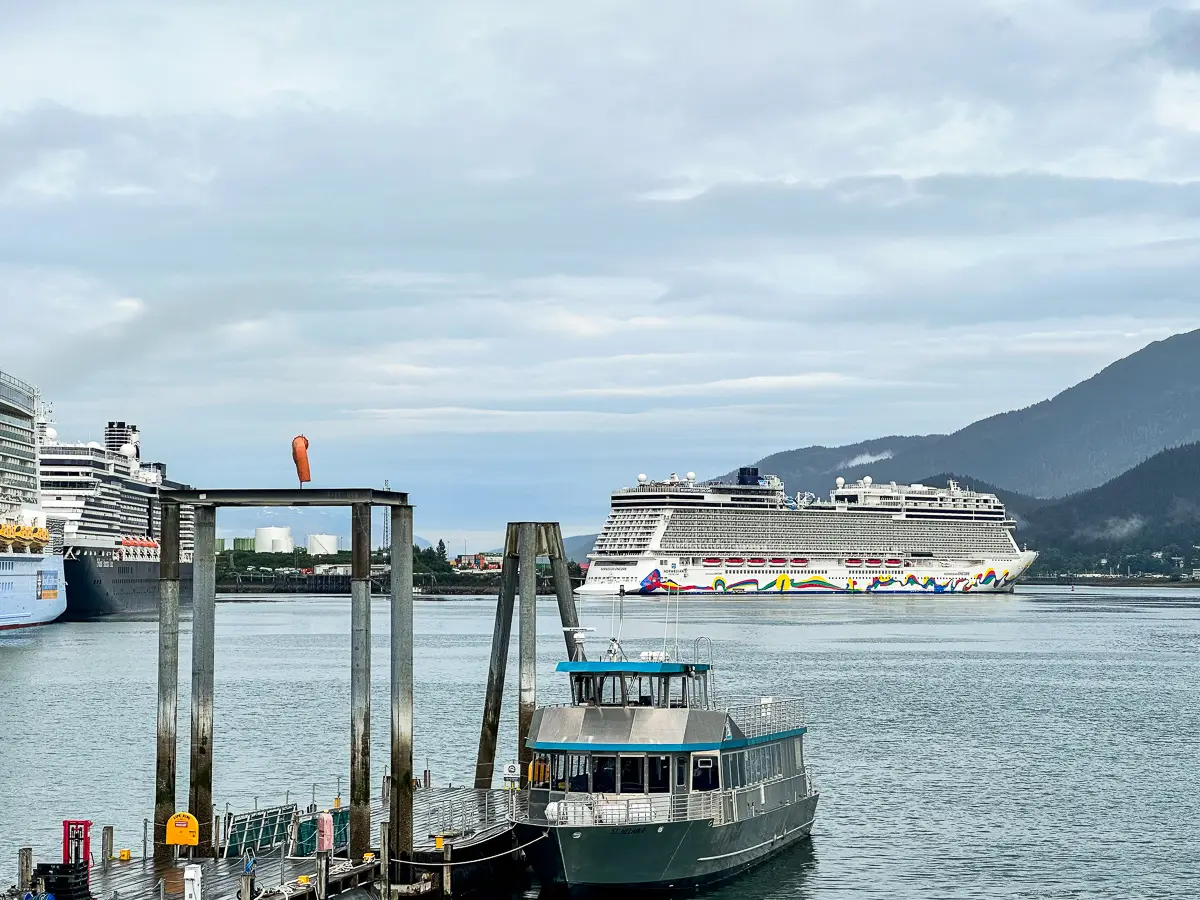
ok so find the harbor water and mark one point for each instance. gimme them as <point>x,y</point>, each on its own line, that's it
<point>1043,744</point>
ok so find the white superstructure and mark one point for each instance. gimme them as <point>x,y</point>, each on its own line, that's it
<point>32,587</point>
<point>683,536</point>
<point>107,500</point>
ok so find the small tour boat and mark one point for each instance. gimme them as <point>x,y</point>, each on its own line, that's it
<point>645,781</point>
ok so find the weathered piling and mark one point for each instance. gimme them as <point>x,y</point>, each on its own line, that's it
<point>168,677</point>
<point>400,793</point>
<point>527,655</point>
<point>204,600</point>
<point>567,611</point>
<point>485,758</point>
<point>360,680</point>
<point>25,869</point>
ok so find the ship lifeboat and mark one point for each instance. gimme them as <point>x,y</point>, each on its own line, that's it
<point>799,561</point>
<point>854,561</point>
<point>712,561</point>
<point>893,562</point>
<point>734,561</point>
<point>778,561</point>
<point>756,561</point>
<point>874,562</point>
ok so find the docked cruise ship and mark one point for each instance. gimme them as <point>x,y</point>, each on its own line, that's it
<point>31,563</point>
<point>680,536</point>
<point>106,499</point>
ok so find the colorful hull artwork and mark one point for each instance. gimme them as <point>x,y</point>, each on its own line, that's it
<point>989,580</point>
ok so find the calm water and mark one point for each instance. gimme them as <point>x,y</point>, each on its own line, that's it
<point>1039,745</point>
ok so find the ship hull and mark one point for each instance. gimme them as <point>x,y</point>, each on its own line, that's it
<point>668,856</point>
<point>32,590</point>
<point>652,577</point>
<point>99,585</point>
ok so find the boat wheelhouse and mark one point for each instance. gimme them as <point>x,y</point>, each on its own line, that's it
<point>646,781</point>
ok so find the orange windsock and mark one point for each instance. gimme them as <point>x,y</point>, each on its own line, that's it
<point>300,458</point>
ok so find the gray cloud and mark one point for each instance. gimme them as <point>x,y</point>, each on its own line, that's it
<point>511,260</point>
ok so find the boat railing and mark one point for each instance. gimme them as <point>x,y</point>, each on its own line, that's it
<point>469,811</point>
<point>766,716</point>
<point>719,807</point>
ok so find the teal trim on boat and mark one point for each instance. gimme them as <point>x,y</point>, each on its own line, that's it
<point>732,744</point>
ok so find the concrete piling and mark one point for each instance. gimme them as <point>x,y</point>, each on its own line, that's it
<point>360,680</point>
<point>204,599</point>
<point>168,678</point>
<point>400,792</point>
<point>527,655</point>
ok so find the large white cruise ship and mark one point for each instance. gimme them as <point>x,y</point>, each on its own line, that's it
<point>32,589</point>
<point>680,536</point>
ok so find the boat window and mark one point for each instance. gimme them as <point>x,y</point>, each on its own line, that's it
<point>612,690</point>
<point>645,691</point>
<point>604,774</point>
<point>539,772</point>
<point>704,774</point>
<point>584,690</point>
<point>633,779</point>
<point>568,772</point>
<point>681,771</point>
<point>658,778</point>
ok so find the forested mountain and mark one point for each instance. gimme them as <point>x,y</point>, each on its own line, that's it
<point>1077,440</point>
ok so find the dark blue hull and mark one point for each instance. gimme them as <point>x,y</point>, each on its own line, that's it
<point>99,585</point>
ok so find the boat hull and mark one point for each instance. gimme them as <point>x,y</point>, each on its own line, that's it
<point>664,856</point>
<point>650,577</point>
<point>32,589</point>
<point>99,585</point>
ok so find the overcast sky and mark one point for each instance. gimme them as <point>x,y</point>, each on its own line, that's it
<point>508,255</point>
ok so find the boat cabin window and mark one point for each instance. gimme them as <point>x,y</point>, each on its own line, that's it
<point>633,775</point>
<point>666,691</point>
<point>704,773</point>
<point>658,776</point>
<point>569,772</point>
<point>681,771</point>
<point>604,774</point>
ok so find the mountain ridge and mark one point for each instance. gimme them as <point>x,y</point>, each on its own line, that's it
<point>1078,439</point>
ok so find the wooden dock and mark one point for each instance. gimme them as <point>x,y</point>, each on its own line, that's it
<point>477,819</point>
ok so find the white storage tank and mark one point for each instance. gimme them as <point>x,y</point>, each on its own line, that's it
<point>273,539</point>
<point>322,544</point>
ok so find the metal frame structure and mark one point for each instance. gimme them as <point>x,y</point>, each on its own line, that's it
<point>361,501</point>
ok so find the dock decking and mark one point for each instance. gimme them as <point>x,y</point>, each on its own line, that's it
<point>475,816</point>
